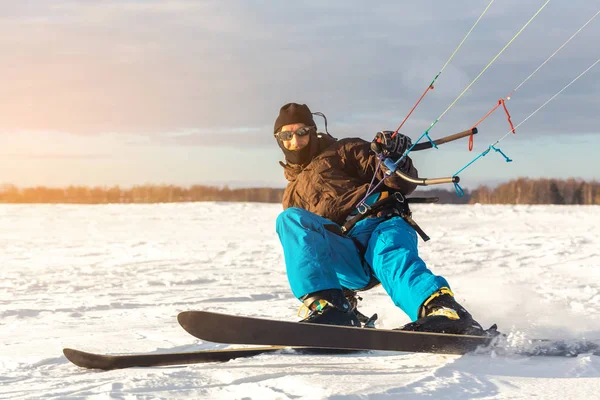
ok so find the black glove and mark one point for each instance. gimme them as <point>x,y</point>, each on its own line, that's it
<point>390,147</point>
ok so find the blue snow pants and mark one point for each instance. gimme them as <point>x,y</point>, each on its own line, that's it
<point>318,257</point>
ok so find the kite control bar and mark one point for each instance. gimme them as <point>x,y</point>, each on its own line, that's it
<point>445,139</point>
<point>392,167</point>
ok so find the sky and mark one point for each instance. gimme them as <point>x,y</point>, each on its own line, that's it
<point>186,92</point>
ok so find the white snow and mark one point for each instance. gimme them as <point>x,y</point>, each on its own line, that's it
<point>112,279</point>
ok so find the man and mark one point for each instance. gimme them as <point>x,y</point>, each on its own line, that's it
<point>327,179</point>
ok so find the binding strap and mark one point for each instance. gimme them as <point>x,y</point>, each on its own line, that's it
<point>440,292</point>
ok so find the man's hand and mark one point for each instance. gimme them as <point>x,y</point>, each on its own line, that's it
<point>393,147</point>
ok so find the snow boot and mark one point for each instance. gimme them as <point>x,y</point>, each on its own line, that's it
<point>442,314</point>
<point>353,298</point>
<point>329,307</point>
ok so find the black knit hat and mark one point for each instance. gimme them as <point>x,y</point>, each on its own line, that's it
<point>293,113</point>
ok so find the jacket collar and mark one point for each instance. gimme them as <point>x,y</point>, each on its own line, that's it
<point>291,171</point>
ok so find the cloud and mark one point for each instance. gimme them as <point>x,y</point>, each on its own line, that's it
<point>56,156</point>
<point>207,68</point>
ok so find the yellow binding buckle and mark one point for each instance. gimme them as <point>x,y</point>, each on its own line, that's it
<point>441,291</point>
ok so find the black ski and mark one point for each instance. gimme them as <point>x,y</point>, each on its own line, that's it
<point>108,362</point>
<point>223,328</point>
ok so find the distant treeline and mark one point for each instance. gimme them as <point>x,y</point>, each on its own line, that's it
<point>520,191</point>
<point>539,191</point>
<point>136,194</point>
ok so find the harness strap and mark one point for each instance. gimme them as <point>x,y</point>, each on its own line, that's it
<point>416,227</point>
<point>370,210</point>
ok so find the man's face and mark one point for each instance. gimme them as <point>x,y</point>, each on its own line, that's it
<point>296,142</point>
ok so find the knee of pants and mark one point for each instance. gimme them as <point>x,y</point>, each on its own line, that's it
<point>288,216</point>
<point>396,233</point>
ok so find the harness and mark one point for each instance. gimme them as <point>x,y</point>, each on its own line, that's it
<point>395,204</point>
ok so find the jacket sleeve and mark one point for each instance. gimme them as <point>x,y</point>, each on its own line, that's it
<point>358,155</point>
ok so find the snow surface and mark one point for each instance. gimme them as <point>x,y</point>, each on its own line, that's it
<point>112,279</point>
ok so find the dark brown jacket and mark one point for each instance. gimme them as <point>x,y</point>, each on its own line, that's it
<point>338,178</point>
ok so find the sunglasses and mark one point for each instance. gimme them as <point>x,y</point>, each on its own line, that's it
<point>288,135</point>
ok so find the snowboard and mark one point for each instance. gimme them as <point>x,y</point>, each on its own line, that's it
<point>232,329</point>
<point>224,328</point>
